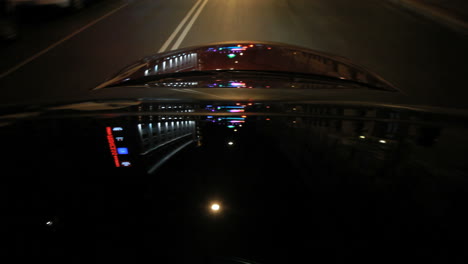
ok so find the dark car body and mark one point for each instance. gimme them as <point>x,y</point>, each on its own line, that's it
<point>310,157</point>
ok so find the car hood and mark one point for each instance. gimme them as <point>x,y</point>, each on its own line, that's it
<point>246,56</point>
<point>324,168</point>
<point>127,178</point>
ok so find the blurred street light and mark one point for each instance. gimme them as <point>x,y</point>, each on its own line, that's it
<point>215,207</point>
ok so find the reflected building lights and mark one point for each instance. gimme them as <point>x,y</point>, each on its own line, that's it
<point>364,129</point>
<point>227,84</point>
<point>221,57</point>
<point>153,139</point>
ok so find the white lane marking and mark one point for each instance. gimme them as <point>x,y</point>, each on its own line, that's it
<point>179,27</point>
<point>37,55</point>
<point>189,26</point>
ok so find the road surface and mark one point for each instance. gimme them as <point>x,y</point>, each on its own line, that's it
<point>69,54</point>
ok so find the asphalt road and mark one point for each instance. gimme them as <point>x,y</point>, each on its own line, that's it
<point>69,54</point>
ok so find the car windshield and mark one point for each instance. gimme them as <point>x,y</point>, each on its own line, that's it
<point>209,131</point>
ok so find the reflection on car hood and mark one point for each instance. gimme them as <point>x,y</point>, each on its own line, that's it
<point>212,151</point>
<point>244,57</point>
<point>120,179</point>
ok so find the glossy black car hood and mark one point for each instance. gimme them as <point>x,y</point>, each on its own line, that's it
<point>137,178</point>
<point>331,165</point>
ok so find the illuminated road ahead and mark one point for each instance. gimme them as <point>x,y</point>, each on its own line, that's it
<point>67,55</point>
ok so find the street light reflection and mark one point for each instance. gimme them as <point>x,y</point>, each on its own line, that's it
<point>215,207</point>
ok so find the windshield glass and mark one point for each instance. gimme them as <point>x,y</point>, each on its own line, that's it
<point>266,131</point>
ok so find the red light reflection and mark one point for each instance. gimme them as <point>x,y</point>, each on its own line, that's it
<point>112,147</point>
